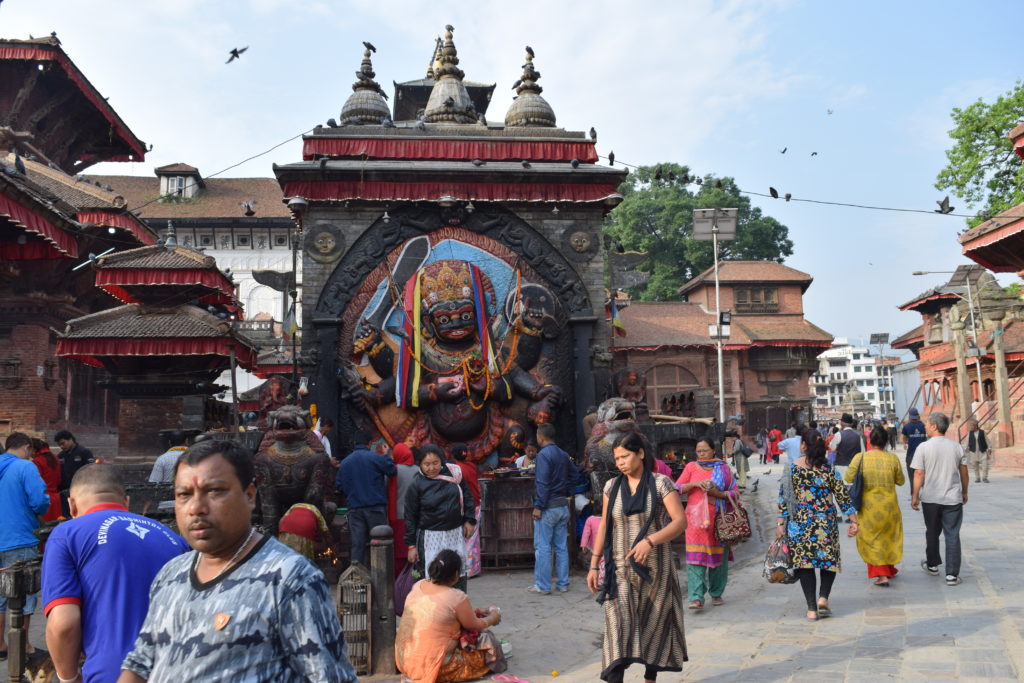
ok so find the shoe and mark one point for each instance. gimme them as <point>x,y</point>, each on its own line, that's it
<point>3,655</point>
<point>934,571</point>
<point>537,591</point>
<point>985,480</point>
<point>717,601</point>
<point>953,580</point>
<point>977,481</point>
<point>563,590</point>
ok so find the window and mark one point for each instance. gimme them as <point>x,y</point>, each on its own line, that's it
<point>756,299</point>
<point>869,396</point>
<point>856,356</point>
<point>869,382</point>
<point>664,381</point>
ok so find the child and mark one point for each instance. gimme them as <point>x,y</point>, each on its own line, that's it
<point>590,528</point>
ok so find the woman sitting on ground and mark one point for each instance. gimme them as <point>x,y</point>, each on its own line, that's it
<point>429,646</point>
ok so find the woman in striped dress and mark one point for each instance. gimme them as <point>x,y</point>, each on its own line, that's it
<point>643,604</point>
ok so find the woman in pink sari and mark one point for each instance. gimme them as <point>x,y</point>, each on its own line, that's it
<point>706,483</point>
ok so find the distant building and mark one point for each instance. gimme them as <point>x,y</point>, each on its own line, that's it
<point>769,355</point>
<point>845,366</point>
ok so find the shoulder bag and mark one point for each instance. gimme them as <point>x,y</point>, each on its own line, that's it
<point>732,524</point>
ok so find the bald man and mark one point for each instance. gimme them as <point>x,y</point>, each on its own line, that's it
<point>97,570</point>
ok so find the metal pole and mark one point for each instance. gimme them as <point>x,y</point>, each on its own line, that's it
<point>295,309</point>
<point>974,331</point>
<point>382,578</point>
<point>234,392</point>
<point>718,323</point>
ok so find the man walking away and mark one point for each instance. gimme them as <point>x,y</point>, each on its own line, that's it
<point>242,606</point>
<point>324,427</point>
<point>97,570</point>
<point>22,499</point>
<point>847,443</point>
<point>940,488</point>
<point>72,457</point>
<point>913,436</point>
<point>363,477</point>
<point>552,486</point>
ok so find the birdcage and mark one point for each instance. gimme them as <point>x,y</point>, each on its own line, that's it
<point>355,611</point>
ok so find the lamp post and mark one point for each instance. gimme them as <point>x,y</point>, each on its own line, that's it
<point>297,205</point>
<point>717,224</point>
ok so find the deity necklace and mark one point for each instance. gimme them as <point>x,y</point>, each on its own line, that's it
<point>195,566</point>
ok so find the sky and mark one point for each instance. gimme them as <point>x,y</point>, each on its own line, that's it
<point>719,86</point>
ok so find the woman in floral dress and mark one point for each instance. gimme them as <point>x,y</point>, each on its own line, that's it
<point>808,516</point>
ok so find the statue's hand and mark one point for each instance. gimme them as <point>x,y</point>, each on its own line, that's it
<point>549,394</point>
<point>367,399</point>
<point>448,392</point>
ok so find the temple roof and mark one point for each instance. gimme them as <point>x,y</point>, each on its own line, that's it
<point>682,324</point>
<point>158,256</point>
<point>82,131</point>
<point>177,168</point>
<point>733,272</point>
<point>366,104</point>
<point>138,321</point>
<point>907,339</point>
<point>996,243</point>
<point>529,108</point>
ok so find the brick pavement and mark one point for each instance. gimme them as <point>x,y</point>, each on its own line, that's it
<point>919,629</point>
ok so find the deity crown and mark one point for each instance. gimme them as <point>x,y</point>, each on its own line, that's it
<point>446,281</point>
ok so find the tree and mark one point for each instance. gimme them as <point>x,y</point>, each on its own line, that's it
<point>656,216</point>
<point>982,168</point>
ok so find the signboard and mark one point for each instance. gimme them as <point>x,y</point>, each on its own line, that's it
<point>704,221</point>
<point>879,338</point>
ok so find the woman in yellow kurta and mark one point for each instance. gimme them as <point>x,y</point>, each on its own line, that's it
<point>880,541</point>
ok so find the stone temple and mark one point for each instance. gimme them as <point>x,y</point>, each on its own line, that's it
<point>453,272</point>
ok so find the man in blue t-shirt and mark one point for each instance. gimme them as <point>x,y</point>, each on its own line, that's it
<point>97,570</point>
<point>913,436</point>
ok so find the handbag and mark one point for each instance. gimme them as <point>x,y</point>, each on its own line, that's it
<point>403,586</point>
<point>778,562</point>
<point>732,524</point>
<point>857,488</point>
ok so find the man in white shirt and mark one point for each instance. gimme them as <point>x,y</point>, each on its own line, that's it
<point>940,489</point>
<point>324,427</point>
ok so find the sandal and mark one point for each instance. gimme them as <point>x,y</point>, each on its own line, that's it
<point>717,601</point>
<point>823,610</point>
<point>812,615</point>
<point>882,583</point>
<point>696,604</point>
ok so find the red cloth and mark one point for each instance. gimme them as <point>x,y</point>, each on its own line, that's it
<point>51,477</point>
<point>444,150</point>
<point>301,522</point>
<point>402,455</point>
<point>660,467</point>
<point>472,479</point>
<point>431,192</point>
<point>882,570</point>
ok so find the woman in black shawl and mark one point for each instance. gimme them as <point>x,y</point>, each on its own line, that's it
<point>643,604</point>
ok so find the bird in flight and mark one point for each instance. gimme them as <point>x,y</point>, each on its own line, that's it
<point>814,154</point>
<point>236,53</point>
<point>944,206</point>
<point>369,46</point>
<point>829,112</point>
<point>774,193</point>
<point>783,150</point>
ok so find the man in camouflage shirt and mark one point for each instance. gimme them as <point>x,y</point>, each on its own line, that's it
<point>241,607</point>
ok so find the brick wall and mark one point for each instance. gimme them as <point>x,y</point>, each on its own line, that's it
<point>139,422</point>
<point>31,404</point>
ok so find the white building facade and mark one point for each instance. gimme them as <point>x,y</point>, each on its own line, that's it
<point>845,366</point>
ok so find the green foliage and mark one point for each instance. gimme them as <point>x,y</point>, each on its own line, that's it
<point>656,216</point>
<point>1014,289</point>
<point>982,168</point>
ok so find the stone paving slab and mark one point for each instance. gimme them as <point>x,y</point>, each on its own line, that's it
<point>919,629</point>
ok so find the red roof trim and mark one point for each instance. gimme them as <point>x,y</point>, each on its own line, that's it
<point>42,54</point>
<point>431,192</point>
<point>726,347</point>
<point>933,297</point>
<point>116,279</point>
<point>88,351</point>
<point>118,220</point>
<point>444,150</point>
<point>265,371</point>
<point>38,224</point>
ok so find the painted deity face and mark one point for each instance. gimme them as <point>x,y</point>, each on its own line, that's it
<point>325,243</point>
<point>453,321</point>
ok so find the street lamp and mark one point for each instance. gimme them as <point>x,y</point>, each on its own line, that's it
<point>297,206</point>
<point>717,224</point>
<point>974,329</point>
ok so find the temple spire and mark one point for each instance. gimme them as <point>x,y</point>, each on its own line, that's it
<point>170,239</point>
<point>449,101</point>
<point>435,59</point>
<point>529,108</point>
<point>366,104</point>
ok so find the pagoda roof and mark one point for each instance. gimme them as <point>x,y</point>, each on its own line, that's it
<point>139,330</point>
<point>908,339</point>
<point>90,130</point>
<point>45,222</point>
<point>734,272</point>
<point>412,96</point>
<point>159,272</point>
<point>997,243</point>
<point>651,325</point>
<point>92,204</point>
